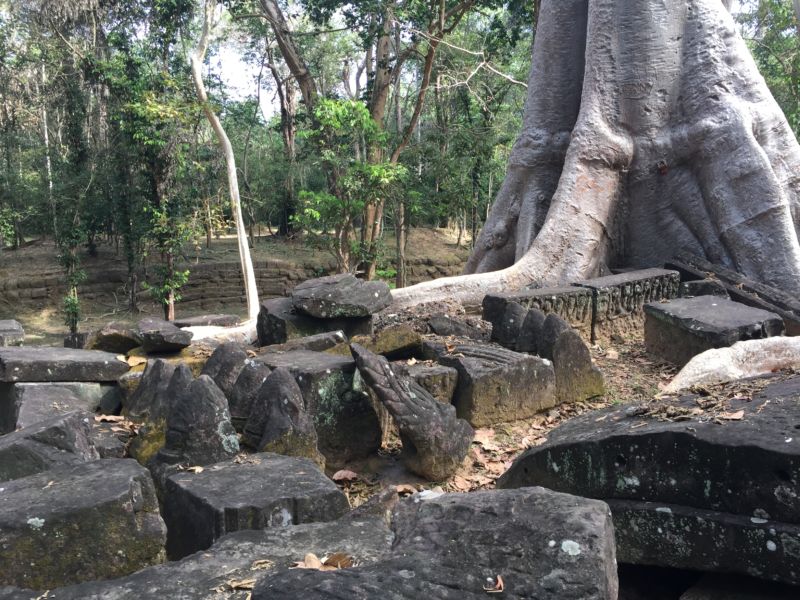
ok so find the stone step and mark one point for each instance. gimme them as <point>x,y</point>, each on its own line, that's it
<point>59,364</point>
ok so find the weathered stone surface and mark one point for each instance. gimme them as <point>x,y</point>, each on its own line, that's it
<point>552,327</point>
<point>63,440</point>
<point>347,426</point>
<point>703,490</point>
<point>118,338</point>
<point>108,441</point>
<point>279,422</point>
<point>445,325</point>
<point>59,364</point>
<point>224,366</point>
<point>11,333</point>
<point>435,441</point>
<point>495,384</point>
<point>680,329</point>
<point>236,557</point>
<point>23,404</point>
<point>162,336</point>
<point>531,331</point>
<point>207,321</point>
<point>76,341</point>
<point>279,323</point>
<point>398,341</point>
<point>438,380</point>
<point>199,429</point>
<point>507,331</point>
<point>577,378</point>
<point>742,289</point>
<point>90,521</point>
<point>266,490</point>
<point>685,537</point>
<point>245,390</point>
<point>543,544</point>
<point>338,296</point>
<point>319,342</point>
<point>618,300</point>
<point>573,304</point>
<point>150,400</point>
<point>703,287</point>
<point>195,356</point>
<point>727,587</point>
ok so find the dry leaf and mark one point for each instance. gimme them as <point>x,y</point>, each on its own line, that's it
<point>411,362</point>
<point>108,419</point>
<point>311,561</point>
<point>242,584</point>
<point>194,469</point>
<point>338,560</point>
<point>496,588</point>
<point>345,475</point>
<point>460,483</point>
<point>405,488</point>
<point>135,361</point>
<point>262,564</point>
<point>734,416</point>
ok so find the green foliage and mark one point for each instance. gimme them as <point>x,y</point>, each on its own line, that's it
<point>71,307</point>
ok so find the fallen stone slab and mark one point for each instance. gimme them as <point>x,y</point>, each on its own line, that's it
<point>703,287</point>
<point>439,381</point>
<point>743,360</point>
<point>265,490</point>
<point>454,546</point>
<point>577,378</point>
<point>235,561</point>
<point>685,537</point>
<point>507,331</point>
<point>319,342</point>
<point>435,441</point>
<point>680,329</point>
<point>573,304</point>
<point>395,342</point>
<point>279,422</point>
<point>159,336</point>
<point>90,521</point>
<point>341,296</point>
<point>278,322</point>
<point>496,385</point>
<point>741,289</point>
<point>215,320</point>
<point>224,366</point>
<point>742,458</point>
<point>618,300</point>
<point>37,364</point>
<point>245,391</point>
<point>346,423</point>
<point>727,587</point>
<point>23,404</point>
<point>118,338</point>
<point>63,440</point>
<point>11,333</point>
<point>445,326</point>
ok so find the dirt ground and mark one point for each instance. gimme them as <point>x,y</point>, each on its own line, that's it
<point>39,259</point>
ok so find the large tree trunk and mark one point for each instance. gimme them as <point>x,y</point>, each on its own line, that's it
<point>667,138</point>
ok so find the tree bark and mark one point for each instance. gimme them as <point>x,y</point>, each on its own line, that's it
<point>248,273</point>
<point>666,139</point>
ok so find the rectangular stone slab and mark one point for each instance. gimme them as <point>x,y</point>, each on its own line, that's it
<point>92,521</point>
<point>278,323</point>
<point>59,364</point>
<point>265,490</point>
<point>572,304</point>
<point>496,385</point>
<point>11,333</point>
<point>684,537</point>
<point>682,328</point>
<point>347,425</point>
<point>749,466</point>
<point>618,300</point>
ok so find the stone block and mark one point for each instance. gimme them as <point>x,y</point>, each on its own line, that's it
<point>278,322</point>
<point>395,342</point>
<point>577,378</point>
<point>118,338</point>
<point>346,423</point>
<point>90,521</point>
<point>495,384</point>
<point>59,364</point>
<point>11,333</point>
<point>703,287</point>
<point>445,325</point>
<point>341,296</point>
<point>265,490</point>
<point>680,329</point>
<point>207,321</point>
<point>159,336</point>
<point>618,300</point>
<point>438,380</point>
<point>507,331</point>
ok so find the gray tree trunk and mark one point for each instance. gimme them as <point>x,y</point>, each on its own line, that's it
<point>647,130</point>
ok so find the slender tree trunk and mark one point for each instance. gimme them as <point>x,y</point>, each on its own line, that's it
<point>248,273</point>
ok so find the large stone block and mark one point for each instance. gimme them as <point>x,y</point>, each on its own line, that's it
<point>114,337</point>
<point>680,329</point>
<point>278,322</point>
<point>11,333</point>
<point>159,336</point>
<point>91,521</point>
<point>346,423</point>
<point>265,490</point>
<point>454,546</point>
<point>59,364</point>
<point>496,385</point>
<point>573,304</point>
<point>341,296</point>
<point>618,300</point>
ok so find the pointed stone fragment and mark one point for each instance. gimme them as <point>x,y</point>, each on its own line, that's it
<point>245,390</point>
<point>224,366</point>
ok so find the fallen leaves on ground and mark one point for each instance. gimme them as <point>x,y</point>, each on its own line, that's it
<point>345,476</point>
<point>334,562</point>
